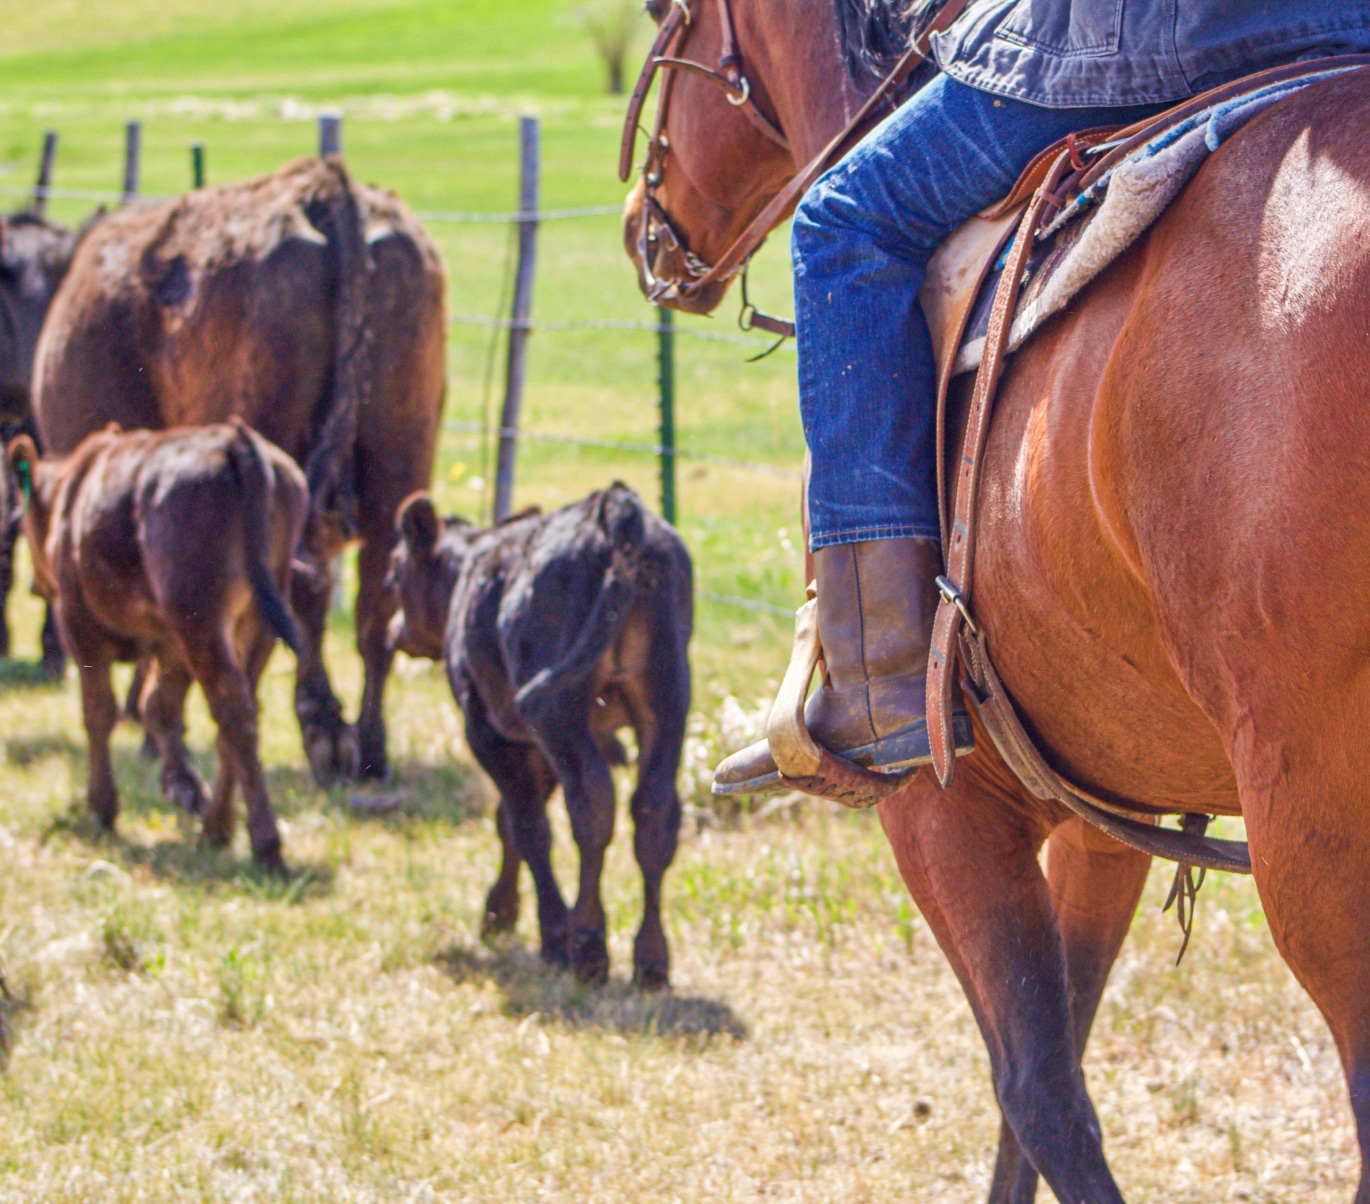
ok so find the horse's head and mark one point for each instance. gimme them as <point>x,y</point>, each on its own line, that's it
<point>750,91</point>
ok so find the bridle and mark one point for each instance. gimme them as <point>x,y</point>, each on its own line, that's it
<point>657,226</point>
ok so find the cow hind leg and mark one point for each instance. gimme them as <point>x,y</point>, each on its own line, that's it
<point>100,710</point>
<point>375,606</point>
<point>54,656</point>
<point>588,786</point>
<point>502,902</point>
<point>228,689</point>
<point>525,782</point>
<point>330,743</point>
<point>656,829</point>
<point>163,709</point>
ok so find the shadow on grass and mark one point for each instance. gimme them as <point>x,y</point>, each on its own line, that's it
<point>191,862</point>
<point>447,794</point>
<point>530,985</point>
<point>30,750</point>
<point>26,675</point>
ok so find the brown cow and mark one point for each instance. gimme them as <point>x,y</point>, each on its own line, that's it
<point>34,256</point>
<point>557,630</point>
<point>308,306</point>
<point>176,547</point>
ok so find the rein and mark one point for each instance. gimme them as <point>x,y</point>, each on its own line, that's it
<point>657,224</point>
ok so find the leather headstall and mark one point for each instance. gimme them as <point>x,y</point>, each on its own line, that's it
<point>666,54</point>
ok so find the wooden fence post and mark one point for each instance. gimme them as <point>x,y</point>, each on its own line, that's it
<point>40,189</point>
<point>665,358</point>
<point>197,164</point>
<point>330,133</point>
<point>133,155</point>
<point>529,139</point>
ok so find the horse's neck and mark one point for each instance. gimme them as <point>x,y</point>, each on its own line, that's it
<point>799,55</point>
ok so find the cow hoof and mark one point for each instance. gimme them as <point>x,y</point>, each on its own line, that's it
<point>500,916</point>
<point>555,951</point>
<point>590,957</point>
<point>333,754</point>
<point>652,976</point>
<point>187,791</point>
<point>270,860</point>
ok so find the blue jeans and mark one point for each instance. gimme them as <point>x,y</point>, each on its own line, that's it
<point>861,240</point>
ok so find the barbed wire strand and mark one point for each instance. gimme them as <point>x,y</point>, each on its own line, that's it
<point>426,215</point>
<point>654,449</point>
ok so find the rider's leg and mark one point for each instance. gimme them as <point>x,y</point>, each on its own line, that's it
<point>862,238</point>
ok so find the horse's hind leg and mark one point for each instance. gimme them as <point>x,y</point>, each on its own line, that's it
<point>1310,856</point>
<point>1096,884</point>
<point>969,857</point>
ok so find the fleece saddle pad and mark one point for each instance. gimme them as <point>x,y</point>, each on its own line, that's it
<point>1087,235</point>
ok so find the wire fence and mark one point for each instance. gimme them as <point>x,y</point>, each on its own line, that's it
<point>514,328</point>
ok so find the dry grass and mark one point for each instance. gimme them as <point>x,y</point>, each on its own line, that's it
<point>183,1029</point>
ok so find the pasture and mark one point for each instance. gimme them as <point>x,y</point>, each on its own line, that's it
<point>184,1028</point>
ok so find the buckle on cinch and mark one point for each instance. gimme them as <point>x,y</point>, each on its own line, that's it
<point>954,597</point>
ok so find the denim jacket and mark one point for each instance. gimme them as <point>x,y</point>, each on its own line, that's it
<point>1076,53</point>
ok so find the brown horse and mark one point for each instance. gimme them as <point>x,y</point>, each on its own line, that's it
<point>1174,559</point>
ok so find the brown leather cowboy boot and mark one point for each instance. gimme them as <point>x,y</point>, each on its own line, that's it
<point>876,603</point>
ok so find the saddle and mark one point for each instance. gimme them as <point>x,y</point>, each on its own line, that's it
<point>1077,207</point>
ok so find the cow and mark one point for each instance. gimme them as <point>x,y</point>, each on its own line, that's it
<point>175,548</point>
<point>34,256</point>
<point>311,307</point>
<point>557,630</point>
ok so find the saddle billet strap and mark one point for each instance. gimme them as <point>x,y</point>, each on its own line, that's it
<point>944,377</point>
<point>996,711</point>
<point>780,206</point>
<point>1132,136</point>
<point>959,552</point>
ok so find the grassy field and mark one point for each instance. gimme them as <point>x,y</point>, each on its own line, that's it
<point>182,1029</point>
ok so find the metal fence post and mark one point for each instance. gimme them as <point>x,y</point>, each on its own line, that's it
<point>197,164</point>
<point>330,133</point>
<point>665,358</point>
<point>40,189</point>
<point>529,139</point>
<point>133,154</point>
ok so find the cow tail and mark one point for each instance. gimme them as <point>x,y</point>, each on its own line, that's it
<point>255,489</point>
<point>621,522</point>
<point>329,466</point>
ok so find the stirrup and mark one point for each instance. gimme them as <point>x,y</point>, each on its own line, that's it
<point>802,762</point>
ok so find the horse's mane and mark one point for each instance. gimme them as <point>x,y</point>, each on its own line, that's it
<point>875,33</point>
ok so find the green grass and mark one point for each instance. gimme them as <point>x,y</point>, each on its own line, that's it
<point>432,93</point>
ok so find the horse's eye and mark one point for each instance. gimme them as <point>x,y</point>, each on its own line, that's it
<point>656,9</point>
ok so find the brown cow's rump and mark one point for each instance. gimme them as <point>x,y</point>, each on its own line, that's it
<point>174,547</point>
<point>312,308</point>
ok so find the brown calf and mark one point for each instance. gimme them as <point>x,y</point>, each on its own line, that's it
<point>174,546</point>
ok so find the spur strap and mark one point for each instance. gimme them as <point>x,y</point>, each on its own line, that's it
<point>955,632</point>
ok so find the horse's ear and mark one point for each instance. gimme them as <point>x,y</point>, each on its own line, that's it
<point>419,523</point>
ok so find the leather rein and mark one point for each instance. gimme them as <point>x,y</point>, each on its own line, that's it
<point>657,227</point>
